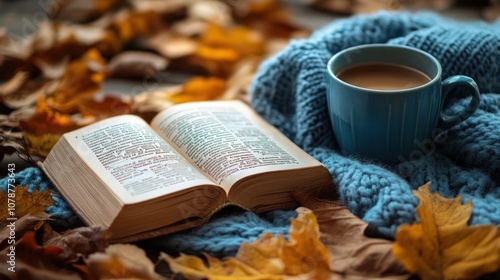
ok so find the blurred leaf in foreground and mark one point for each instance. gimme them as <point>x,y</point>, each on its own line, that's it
<point>269,257</point>
<point>441,245</point>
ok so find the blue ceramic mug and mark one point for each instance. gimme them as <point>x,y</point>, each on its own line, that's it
<point>387,125</point>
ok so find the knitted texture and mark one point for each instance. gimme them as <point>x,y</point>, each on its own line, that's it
<point>289,91</point>
<point>34,179</point>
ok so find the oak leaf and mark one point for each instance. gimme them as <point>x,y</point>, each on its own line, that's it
<point>121,261</point>
<point>442,245</point>
<point>268,257</point>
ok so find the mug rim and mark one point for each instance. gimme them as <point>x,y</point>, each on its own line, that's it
<point>436,78</point>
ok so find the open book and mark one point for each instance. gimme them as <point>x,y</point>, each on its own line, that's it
<point>141,180</point>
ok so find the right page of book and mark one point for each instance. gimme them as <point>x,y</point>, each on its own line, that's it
<point>228,140</point>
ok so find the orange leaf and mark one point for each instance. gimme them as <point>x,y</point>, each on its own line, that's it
<point>198,89</point>
<point>442,245</point>
<point>23,202</point>
<point>81,81</point>
<point>268,257</point>
<point>31,261</point>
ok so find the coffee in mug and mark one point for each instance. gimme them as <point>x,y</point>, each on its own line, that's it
<point>383,76</point>
<point>386,100</point>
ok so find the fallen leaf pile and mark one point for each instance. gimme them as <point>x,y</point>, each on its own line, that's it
<point>325,241</point>
<point>60,71</point>
<point>268,257</point>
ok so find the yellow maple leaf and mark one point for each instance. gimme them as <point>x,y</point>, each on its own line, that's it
<point>268,257</point>
<point>19,201</point>
<point>442,245</point>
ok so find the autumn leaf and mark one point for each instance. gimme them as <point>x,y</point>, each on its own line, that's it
<point>20,91</point>
<point>33,261</point>
<point>198,89</point>
<point>121,261</point>
<point>132,24</point>
<point>76,242</point>
<point>24,202</point>
<point>135,64</point>
<point>352,253</point>
<point>441,245</point>
<point>268,257</point>
<point>81,81</point>
<point>80,11</point>
<point>23,225</point>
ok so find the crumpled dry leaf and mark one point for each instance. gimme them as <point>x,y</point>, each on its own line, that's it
<point>33,262</point>
<point>269,257</point>
<point>171,45</point>
<point>135,65</point>
<point>20,91</point>
<point>24,224</point>
<point>121,261</point>
<point>25,202</point>
<point>76,242</point>
<point>441,245</point>
<point>80,11</point>
<point>130,24</point>
<point>44,127</point>
<point>81,81</point>
<point>353,255</point>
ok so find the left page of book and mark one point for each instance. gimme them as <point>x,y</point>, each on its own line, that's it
<point>133,161</point>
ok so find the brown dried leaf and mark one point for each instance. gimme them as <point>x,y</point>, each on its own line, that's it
<point>339,6</point>
<point>122,261</point>
<point>80,11</point>
<point>81,241</point>
<point>352,253</point>
<point>135,64</point>
<point>81,81</point>
<point>47,121</point>
<point>33,262</point>
<point>20,91</point>
<point>53,69</point>
<point>24,224</point>
<point>272,19</point>
<point>129,24</point>
<point>23,202</point>
<point>108,107</point>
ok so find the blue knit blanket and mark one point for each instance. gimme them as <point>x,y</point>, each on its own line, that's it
<point>289,91</point>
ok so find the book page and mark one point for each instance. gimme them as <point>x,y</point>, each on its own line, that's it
<point>228,140</point>
<point>133,160</point>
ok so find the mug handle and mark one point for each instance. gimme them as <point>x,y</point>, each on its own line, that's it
<point>448,85</point>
